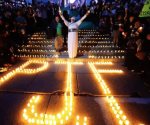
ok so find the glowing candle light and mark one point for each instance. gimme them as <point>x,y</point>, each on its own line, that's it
<point>111,100</point>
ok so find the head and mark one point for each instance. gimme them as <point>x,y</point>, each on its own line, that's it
<point>148,36</point>
<point>131,18</point>
<point>18,13</point>
<point>137,23</point>
<point>1,22</point>
<point>72,19</point>
<point>57,19</point>
<point>119,17</point>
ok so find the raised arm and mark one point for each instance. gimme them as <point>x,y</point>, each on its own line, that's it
<point>80,21</point>
<point>62,17</point>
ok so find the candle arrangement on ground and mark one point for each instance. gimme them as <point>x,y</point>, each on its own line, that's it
<point>67,114</point>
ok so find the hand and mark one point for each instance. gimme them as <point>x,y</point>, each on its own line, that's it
<point>140,29</point>
<point>125,17</point>
<point>60,11</point>
<point>88,12</point>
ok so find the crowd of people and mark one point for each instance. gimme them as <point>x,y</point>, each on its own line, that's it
<point>16,23</point>
<point>129,32</point>
<point>119,18</point>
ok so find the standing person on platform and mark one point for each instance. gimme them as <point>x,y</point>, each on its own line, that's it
<point>73,33</point>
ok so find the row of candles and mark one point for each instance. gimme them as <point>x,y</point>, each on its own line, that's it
<point>88,30</point>
<point>83,46</point>
<point>106,57</point>
<point>95,38</point>
<point>106,42</point>
<point>40,33</point>
<point>102,51</point>
<point>37,38</point>
<point>81,63</point>
<point>35,50</point>
<point>102,47</point>
<point>80,51</point>
<point>34,56</point>
<point>66,62</point>
<point>50,56</point>
<point>105,51</point>
<point>80,31</point>
<point>92,34</point>
<point>96,43</point>
<point>98,46</point>
<point>110,71</point>
<point>48,46</point>
<point>44,41</point>
<point>37,35</point>
<point>35,46</point>
<point>80,38</point>
<point>3,69</point>
<point>80,41</point>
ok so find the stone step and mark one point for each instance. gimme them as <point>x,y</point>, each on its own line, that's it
<point>96,39</point>
<point>80,47</point>
<point>66,56</point>
<point>79,33</point>
<point>88,32</point>
<point>65,50</point>
<point>88,55</point>
<point>81,44</point>
<point>80,41</point>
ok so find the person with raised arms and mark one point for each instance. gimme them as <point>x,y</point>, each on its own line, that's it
<point>73,33</point>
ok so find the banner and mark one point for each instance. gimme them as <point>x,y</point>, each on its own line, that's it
<point>146,9</point>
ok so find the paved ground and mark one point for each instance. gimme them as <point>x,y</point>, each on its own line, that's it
<point>88,100</point>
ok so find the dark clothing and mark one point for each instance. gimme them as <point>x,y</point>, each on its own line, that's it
<point>65,28</point>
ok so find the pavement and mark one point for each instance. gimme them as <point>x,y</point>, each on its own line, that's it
<point>90,105</point>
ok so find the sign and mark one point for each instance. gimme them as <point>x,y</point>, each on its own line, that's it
<point>146,9</point>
